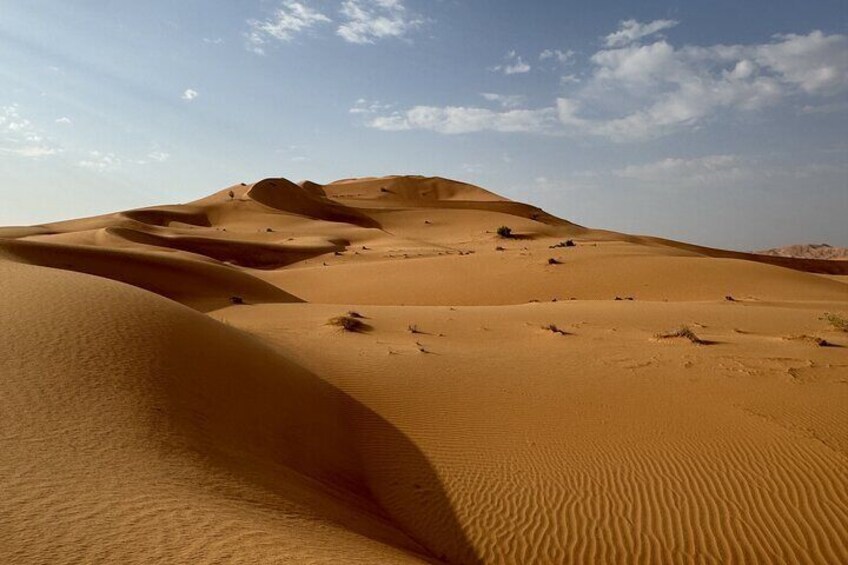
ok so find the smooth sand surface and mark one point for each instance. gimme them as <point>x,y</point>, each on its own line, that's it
<point>171,390</point>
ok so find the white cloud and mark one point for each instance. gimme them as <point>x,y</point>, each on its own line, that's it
<point>456,119</point>
<point>363,106</point>
<point>30,151</point>
<point>99,161</point>
<point>504,100</point>
<point>288,20</point>
<point>18,136</point>
<point>512,64</point>
<point>631,30</point>
<point>643,91</point>
<point>815,62</point>
<point>705,171</point>
<point>366,21</point>
<point>64,120</point>
<point>158,156</point>
<point>561,57</point>
<point>189,94</point>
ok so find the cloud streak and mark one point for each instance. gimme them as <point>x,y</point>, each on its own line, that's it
<point>630,31</point>
<point>512,64</point>
<point>287,21</point>
<point>367,21</point>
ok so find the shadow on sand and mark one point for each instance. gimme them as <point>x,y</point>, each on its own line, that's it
<point>266,419</point>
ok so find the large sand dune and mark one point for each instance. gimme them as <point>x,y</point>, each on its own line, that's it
<point>170,390</point>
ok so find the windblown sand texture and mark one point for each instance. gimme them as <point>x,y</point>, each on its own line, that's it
<point>171,391</point>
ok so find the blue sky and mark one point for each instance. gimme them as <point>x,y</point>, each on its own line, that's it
<point>722,123</point>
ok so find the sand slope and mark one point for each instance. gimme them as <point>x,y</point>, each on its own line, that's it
<point>170,390</point>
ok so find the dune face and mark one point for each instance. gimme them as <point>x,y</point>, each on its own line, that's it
<point>171,389</point>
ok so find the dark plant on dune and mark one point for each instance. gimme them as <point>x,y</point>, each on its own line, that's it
<point>554,261</point>
<point>683,332</point>
<point>505,232</point>
<point>553,328</point>
<point>838,322</point>
<point>348,324</point>
<point>566,243</point>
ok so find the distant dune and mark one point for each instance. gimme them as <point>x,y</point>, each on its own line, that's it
<point>809,251</point>
<point>172,388</point>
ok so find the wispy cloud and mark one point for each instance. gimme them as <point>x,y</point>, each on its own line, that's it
<point>359,21</point>
<point>189,94</point>
<point>512,64</point>
<point>19,137</point>
<point>458,119</point>
<point>632,30</point>
<point>557,56</point>
<point>366,21</point>
<point>288,20</point>
<point>363,106</point>
<point>99,161</point>
<point>64,120</point>
<point>504,100</point>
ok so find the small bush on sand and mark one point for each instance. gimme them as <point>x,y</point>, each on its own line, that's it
<point>682,332</point>
<point>553,328</point>
<point>814,340</point>
<point>413,329</point>
<point>554,261</point>
<point>348,324</point>
<point>505,232</point>
<point>838,322</point>
<point>566,243</point>
<point>231,194</point>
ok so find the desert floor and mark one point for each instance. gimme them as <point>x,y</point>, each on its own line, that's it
<point>171,390</point>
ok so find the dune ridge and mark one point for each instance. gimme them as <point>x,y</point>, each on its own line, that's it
<point>171,390</point>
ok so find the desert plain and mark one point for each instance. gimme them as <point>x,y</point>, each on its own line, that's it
<point>368,372</point>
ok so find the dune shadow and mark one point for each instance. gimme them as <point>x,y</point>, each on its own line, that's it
<point>252,411</point>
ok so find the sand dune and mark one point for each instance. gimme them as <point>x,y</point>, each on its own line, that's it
<point>171,391</point>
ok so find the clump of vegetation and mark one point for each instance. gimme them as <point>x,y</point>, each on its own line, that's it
<point>236,300</point>
<point>838,322</point>
<point>554,261</point>
<point>682,332</point>
<point>553,328</point>
<point>505,232</point>
<point>348,324</point>
<point>231,194</point>
<point>566,243</point>
<point>413,329</point>
<point>729,298</point>
<point>499,248</point>
<point>269,230</point>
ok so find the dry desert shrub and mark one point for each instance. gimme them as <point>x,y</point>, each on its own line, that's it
<point>682,332</point>
<point>811,339</point>
<point>348,324</point>
<point>838,322</point>
<point>505,232</point>
<point>553,328</point>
